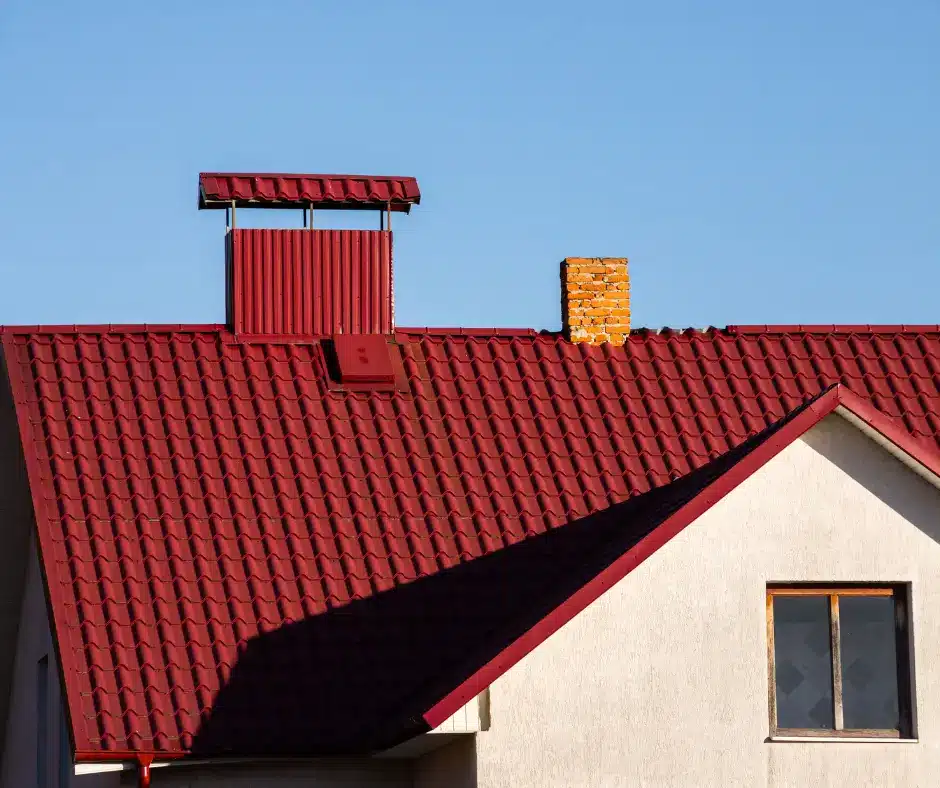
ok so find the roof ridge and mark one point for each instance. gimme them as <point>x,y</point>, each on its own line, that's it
<point>117,328</point>
<point>496,331</point>
<point>468,332</point>
<point>758,329</point>
<point>835,328</point>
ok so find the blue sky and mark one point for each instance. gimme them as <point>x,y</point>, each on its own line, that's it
<point>757,162</point>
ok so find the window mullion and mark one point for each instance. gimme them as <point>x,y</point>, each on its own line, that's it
<point>836,649</point>
<point>771,666</point>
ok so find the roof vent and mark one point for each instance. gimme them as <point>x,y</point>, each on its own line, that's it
<point>364,361</point>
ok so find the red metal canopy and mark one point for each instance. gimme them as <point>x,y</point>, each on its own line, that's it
<point>277,190</point>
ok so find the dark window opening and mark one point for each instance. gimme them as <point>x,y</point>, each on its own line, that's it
<point>839,661</point>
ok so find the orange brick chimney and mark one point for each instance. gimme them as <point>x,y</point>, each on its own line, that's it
<point>595,299</point>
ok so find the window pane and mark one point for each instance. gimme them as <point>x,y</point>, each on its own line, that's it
<point>869,662</point>
<point>803,662</point>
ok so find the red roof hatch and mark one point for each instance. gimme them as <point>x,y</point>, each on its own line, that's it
<point>364,359</point>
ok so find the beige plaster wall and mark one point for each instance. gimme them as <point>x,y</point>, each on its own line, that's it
<point>663,681</point>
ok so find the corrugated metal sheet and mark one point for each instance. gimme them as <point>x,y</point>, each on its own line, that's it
<point>310,282</point>
<point>270,190</point>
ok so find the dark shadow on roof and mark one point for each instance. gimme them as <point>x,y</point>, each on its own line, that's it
<point>358,679</point>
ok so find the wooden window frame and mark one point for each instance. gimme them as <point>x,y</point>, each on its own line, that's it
<point>904,659</point>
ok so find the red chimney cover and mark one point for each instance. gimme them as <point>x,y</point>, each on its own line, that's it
<point>364,359</point>
<point>279,190</point>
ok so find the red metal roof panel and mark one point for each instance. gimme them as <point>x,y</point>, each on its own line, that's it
<point>212,512</point>
<point>310,282</point>
<point>364,358</point>
<point>274,190</point>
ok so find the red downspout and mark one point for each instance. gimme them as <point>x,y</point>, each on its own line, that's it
<point>143,770</point>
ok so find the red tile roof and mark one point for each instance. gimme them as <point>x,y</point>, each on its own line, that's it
<point>218,520</point>
<point>271,190</point>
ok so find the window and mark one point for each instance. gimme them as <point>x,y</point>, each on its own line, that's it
<point>839,661</point>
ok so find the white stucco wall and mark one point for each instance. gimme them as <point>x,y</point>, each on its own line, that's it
<point>663,681</point>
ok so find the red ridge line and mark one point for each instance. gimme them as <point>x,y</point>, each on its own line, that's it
<point>222,328</point>
<point>469,332</point>
<point>733,329</point>
<point>889,428</point>
<point>316,176</point>
<point>118,328</point>
<point>834,328</point>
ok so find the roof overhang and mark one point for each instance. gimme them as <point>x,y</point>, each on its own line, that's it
<point>920,458</point>
<point>220,190</point>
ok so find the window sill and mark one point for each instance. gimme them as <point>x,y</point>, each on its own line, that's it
<point>842,739</point>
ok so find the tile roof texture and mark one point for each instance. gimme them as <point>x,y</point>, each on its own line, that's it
<point>256,189</point>
<point>208,509</point>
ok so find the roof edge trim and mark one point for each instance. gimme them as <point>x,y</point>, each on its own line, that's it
<point>118,328</point>
<point>921,458</point>
<point>26,410</point>
<point>220,190</point>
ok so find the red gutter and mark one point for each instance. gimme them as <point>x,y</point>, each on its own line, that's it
<point>105,756</point>
<point>142,760</point>
<point>143,771</point>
